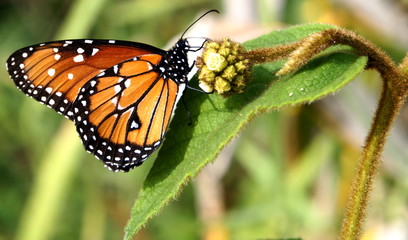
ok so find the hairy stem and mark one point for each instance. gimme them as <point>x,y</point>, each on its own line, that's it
<point>275,53</point>
<point>368,164</point>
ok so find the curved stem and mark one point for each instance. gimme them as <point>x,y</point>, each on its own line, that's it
<point>275,53</point>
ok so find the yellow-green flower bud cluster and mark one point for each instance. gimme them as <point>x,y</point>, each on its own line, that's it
<point>223,67</point>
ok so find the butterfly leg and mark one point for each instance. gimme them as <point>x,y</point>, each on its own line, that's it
<point>190,119</point>
<point>198,48</point>
<point>199,90</point>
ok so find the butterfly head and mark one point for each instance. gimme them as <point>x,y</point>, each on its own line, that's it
<point>183,46</point>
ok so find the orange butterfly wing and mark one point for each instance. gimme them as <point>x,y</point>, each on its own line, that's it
<point>53,72</point>
<point>121,95</point>
<point>123,113</point>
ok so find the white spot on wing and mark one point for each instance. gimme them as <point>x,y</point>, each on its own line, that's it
<point>134,125</point>
<point>51,72</point>
<point>94,51</point>
<point>79,58</point>
<point>48,90</point>
<point>80,50</point>
<point>127,83</point>
<point>70,76</point>
<point>117,88</point>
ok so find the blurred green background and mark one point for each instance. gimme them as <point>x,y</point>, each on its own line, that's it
<point>287,174</point>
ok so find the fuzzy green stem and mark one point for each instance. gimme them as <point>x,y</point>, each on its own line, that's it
<point>264,55</point>
<point>403,68</point>
<point>386,113</point>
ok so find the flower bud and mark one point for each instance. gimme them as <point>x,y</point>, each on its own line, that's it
<point>223,67</point>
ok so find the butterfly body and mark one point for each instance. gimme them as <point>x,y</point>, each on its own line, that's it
<point>120,95</point>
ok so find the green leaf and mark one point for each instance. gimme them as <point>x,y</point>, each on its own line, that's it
<point>217,120</point>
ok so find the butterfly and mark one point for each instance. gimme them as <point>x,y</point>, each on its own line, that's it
<point>121,95</point>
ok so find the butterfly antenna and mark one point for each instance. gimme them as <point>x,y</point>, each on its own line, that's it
<point>198,19</point>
